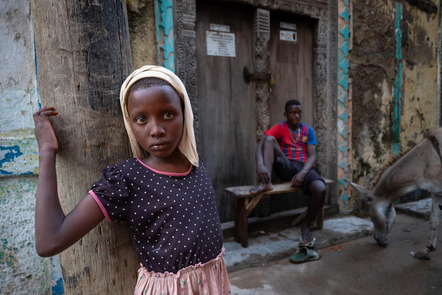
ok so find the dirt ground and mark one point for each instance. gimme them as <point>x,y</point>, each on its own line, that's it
<point>356,267</point>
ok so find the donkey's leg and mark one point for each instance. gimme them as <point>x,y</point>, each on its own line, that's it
<point>436,200</point>
<point>390,218</point>
<point>434,221</point>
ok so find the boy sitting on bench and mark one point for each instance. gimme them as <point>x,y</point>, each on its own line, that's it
<point>290,149</point>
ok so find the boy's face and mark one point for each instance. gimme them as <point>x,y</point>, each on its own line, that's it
<point>293,114</point>
<point>157,120</point>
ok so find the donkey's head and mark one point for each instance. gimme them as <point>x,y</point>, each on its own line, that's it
<point>381,212</point>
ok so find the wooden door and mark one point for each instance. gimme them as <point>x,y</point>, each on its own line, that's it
<point>226,103</point>
<point>291,65</point>
<point>226,106</point>
<point>291,53</point>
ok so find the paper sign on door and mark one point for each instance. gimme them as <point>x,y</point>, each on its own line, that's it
<point>220,44</point>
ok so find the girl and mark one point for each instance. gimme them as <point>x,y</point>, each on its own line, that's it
<point>163,193</point>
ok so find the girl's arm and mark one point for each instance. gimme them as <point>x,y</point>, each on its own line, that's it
<point>54,232</point>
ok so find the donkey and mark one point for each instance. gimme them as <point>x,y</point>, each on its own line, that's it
<point>419,168</point>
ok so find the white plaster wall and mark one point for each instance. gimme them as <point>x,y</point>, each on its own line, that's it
<point>22,271</point>
<point>18,90</point>
<point>18,97</point>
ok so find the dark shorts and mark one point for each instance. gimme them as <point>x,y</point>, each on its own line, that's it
<point>285,169</point>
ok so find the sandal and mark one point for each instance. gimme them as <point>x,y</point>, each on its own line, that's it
<point>303,244</point>
<point>304,255</point>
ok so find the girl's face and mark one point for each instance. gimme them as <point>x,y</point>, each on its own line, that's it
<point>157,121</point>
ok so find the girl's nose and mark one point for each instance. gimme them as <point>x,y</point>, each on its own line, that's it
<point>157,130</point>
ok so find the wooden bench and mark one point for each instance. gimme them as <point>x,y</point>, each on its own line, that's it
<point>243,207</point>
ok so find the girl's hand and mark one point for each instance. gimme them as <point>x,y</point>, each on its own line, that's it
<point>46,139</point>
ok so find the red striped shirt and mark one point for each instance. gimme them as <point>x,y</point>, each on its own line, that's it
<point>293,143</point>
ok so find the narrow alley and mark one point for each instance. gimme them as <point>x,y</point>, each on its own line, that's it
<point>358,266</point>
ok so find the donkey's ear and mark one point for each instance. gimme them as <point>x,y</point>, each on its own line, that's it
<point>361,189</point>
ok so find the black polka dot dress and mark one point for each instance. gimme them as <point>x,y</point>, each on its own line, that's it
<point>173,217</point>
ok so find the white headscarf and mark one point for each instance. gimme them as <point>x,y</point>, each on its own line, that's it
<point>187,145</point>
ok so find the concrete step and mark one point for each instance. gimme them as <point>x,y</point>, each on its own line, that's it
<point>274,245</point>
<point>420,208</point>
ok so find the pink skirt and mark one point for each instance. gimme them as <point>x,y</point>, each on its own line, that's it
<point>209,278</point>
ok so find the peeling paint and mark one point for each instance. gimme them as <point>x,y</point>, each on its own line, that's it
<point>57,287</point>
<point>7,155</point>
<point>18,156</point>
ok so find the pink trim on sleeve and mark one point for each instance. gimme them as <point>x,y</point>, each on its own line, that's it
<point>100,204</point>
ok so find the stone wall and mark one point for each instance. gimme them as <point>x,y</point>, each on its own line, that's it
<point>393,61</point>
<point>141,18</point>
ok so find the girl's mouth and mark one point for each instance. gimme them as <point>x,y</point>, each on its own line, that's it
<point>159,146</point>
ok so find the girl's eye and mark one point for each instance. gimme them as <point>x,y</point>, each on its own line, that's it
<point>168,115</point>
<point>140,120</point>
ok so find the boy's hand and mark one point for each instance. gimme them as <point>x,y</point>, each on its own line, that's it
<point>298,179</point>
<point>46,139</point>
<point>263,174</point>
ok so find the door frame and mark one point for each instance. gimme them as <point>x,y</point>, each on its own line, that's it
<point>325,15</point>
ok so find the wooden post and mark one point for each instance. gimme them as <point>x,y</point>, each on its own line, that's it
<point>241,224</point>
<point>83,56</point>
